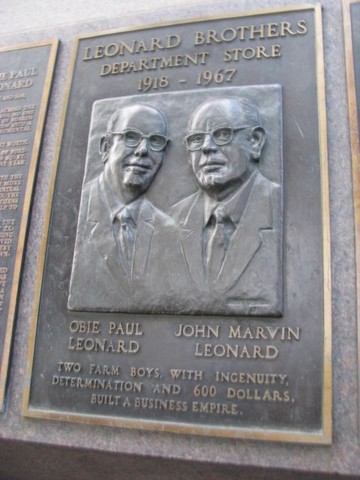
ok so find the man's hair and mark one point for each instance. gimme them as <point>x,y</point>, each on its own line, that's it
<point>249,111</point>
<point>112,121</point>
<point>117,114</point>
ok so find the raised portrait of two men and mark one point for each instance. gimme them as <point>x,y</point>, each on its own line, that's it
<point>181,206</point>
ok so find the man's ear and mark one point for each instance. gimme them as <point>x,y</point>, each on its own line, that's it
<point>104,148</point>
<point>257,140</point>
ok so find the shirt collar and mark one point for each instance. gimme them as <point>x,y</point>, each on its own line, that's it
<point>115,204</point>
<point>233,206</point>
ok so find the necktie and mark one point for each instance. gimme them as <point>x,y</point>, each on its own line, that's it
<point>126,239</point>
<point>220,231</point>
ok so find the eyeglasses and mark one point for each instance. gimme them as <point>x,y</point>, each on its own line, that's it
<point>132,138</point>
<point>220,136</point>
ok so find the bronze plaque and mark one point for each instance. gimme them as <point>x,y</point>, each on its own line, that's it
<point>185,285</point>
<point>25,80</point>
<point>351,12</point>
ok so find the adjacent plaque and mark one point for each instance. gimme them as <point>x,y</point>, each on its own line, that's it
<point>351,13</point>
<point>185,281</point>
<point>25,80</point>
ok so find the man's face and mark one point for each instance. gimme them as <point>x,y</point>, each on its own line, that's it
<point>133,167</point>
<point>218,166</point>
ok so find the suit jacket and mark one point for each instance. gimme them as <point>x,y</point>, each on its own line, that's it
<point>99,281</point>
<point>250,280</point>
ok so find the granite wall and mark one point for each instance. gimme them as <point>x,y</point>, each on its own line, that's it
<point>31,448</point>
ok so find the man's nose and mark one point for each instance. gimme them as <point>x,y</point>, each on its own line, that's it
<point>209,144</point>
<point>141,149</point>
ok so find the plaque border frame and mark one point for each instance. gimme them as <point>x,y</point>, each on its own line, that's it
<point>355,152</point>
<point>25,214</point>
<point>320,437</point>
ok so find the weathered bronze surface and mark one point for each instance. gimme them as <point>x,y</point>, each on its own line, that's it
<point>25,77</point>
<point>183,263</point>
<point>186,285</point>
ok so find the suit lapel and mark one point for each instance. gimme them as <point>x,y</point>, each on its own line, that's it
<point>102,232</point>
<point>247,238</point>
<point>192,239</point>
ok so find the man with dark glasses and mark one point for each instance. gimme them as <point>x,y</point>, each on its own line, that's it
<point>232,225</point>
<point>127,250</point>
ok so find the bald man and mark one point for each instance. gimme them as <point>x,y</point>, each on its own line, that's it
<point>231,227</point>
<point>127,250</point>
